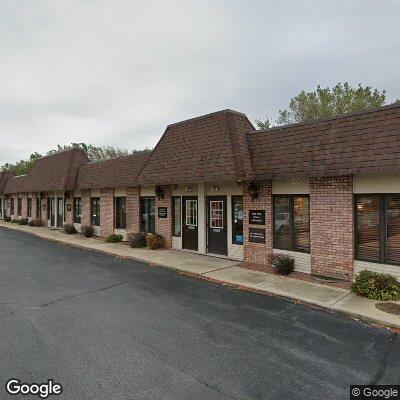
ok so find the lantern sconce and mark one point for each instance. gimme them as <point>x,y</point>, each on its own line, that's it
<point>67,194</point>
<point>253,190</point>
<point>159,192</point>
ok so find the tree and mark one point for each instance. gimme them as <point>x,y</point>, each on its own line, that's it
<point>94,153</point>
<point>327,102</point>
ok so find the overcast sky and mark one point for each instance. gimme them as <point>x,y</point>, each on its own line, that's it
<point>117,72</point>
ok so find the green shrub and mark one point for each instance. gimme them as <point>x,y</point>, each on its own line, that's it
<point>15,221</point>
<point>87,231</point>
<point>137,240</point>
<point>23,221</point>
<point>114,238</point>
<point>155,241</point>
<point>69,229</point>
<point>32,222</point>
<point>376,285</point>
<point>38,222</point>
<point>7,219</point>
<point>283,263</point>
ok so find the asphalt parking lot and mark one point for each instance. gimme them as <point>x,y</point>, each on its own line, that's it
<point>107,328</point>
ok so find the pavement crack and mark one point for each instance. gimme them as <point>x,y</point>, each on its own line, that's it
<point>61,299</point>
<point>383,362</point>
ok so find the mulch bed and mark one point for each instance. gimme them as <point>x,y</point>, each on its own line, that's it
<point>302,276</point>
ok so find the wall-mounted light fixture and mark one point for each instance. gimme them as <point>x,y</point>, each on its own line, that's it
<point>67,194</point>
<point>159,192</point>
<point>189,189</point>
<point>253,190</point>
<point>214,188</point>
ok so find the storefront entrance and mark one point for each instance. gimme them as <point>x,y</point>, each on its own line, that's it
<point>217,229</point>
<point>190,223</point>
<point>51,211</point>
<point>60,212</point>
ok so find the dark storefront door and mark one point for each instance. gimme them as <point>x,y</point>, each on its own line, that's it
<point>216,225</point>
<point>147,214</point>
<point>60,212</point>
<point>51,210</point>
<point>190,223</point>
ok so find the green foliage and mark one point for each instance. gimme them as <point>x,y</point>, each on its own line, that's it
<point>94,153</point>
<point>114,238</point>
<point>263,123</point>
<point>327,102</point>
<point>15,221</point>
<point>32,222</point>
<point>137,240</point>
<point>23,221</point>
<point>283,263</point>
<point>155,241</point>
<point>7,219</point>
<point>87,231</point>
<point>376,286</point>
<point>69,229</point>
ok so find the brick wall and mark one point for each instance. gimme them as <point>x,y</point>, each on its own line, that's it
<point>24,211</point>
<point>164,225</point>
<point>106,212</point>
<point>34,205</point>
<point>132,210</point>
<point>85,199</point>
<point>258,253</point>
<point>69,208</point>
<point>332,225</point>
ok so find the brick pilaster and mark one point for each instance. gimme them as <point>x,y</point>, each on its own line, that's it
<point>164,225</point>
<point>34,205</point>
<point>24,209</point>
<point>132,210</point>
<point>332,226</point>
<point>69,208</point>
<point>106,212</point>
<point>258,253</point>
<point>85,199</point>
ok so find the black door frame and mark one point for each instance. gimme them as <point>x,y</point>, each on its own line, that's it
<point>218,234</point>
<point>188,243</point>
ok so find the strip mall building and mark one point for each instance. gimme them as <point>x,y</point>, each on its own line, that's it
<point>326,192</point>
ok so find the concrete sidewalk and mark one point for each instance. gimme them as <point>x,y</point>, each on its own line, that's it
<point>227,272</point>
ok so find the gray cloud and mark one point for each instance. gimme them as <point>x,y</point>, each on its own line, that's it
<point>118,72</point>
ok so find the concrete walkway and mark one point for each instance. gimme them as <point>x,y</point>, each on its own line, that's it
<point>227,272</point>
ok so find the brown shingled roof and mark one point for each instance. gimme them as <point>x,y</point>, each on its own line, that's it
<point>4,176</point>
<point>366,142</point>
<point>13,184</point>
<point>55,172</point>
<point>113,173</point>
<point>204,149</point>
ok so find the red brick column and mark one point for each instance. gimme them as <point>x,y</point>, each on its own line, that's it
<point>106,212</point>
<point>258,253</point>
<point>132,210</point>
<point>85,199</point>
<point>164,225</point>
<point>69,208</point>
<point>24,211</point>
<point>34,205</point>
<point>332,226</point>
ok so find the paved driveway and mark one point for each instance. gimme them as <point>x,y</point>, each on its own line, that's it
<point>106,328</point>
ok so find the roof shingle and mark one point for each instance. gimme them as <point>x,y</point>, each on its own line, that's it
<point>366,142</point>
<point>113,173</point>
<point>204,149</point>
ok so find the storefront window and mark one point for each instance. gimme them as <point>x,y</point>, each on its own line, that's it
<point>29,207</point>
<point>77,210</point>
<point>120,212</point>
<point>147,207</point>
<point>95,211</point>
<point>216,214</point>
<point>292,222</point>
<point>19,206</point>
<point>378,228</point>
<point>191,212</point>
<point>176,209</point>
<point>237,219</point>
<point>38,207</point>
<point>12,206</point>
